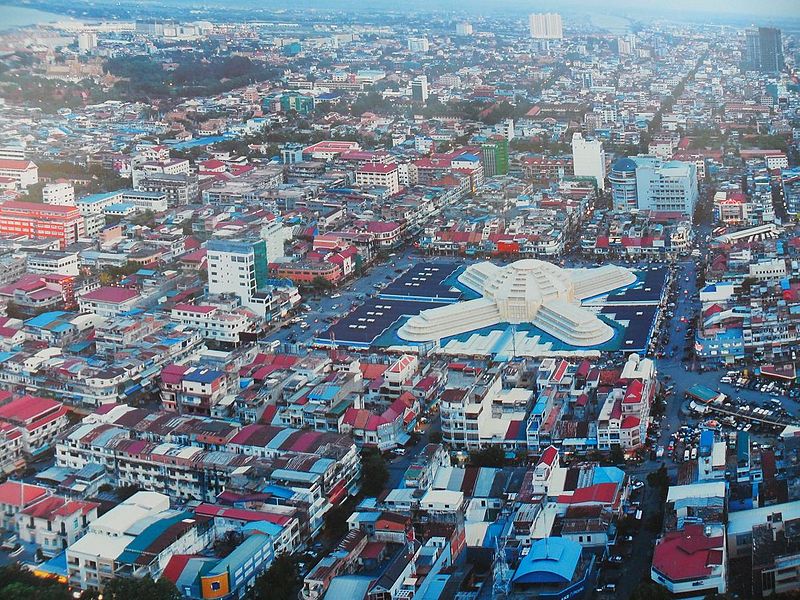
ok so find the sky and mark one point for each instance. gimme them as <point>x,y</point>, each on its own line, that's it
<point>768,8</point>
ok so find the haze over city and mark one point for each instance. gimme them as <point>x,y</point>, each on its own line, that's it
<point>475,300</point>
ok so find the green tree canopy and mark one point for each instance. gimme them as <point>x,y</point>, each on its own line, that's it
<point>123,588</point>
<point>374,473</point>
<point>280,582</point>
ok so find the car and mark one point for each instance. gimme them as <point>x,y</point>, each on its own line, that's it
<point>637,485</point>
<point>616,559</point>
<point>337,295</point>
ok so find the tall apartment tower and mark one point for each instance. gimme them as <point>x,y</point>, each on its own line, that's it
<point>763,50</point>
<point>239,267</point>
<point>589,159</point>
<point>464,28</point>
<point>546,26</point>
<point>87,42</point>
<point>419,89</point>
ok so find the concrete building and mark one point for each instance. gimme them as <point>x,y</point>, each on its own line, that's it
<point>214,323</point>
<point>41,221</point>
<point>418,44</point>
<point>59,263</point>
<point>648,183</point>
<point>62,194</point>
<point>379,174</point>
<point>464,28</point>
<point>589,159</point>
<point>109,302</point>
<point>239,268</point>
<point>121,542</point>
<point>87,42</point>
<point>419,89</point>
<point>546,26</point>
<point>530,291</point>
<point>23,173</point>
<point>763,50</point>
<point>55,522</point>
<point>691,562</point>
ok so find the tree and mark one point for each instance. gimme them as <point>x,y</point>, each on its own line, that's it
<point>491,456</point>
<point>124,588</point>
<point>374,473</point>
<point>659,479</point>
<point>280,582</point>
<point>616,455</point>
<point>320,283</point>
<point>228,543</point>
<point>336,519</point>
<point>648,590</point>
<point>18,583</point>
<point>126,491</point>
<point>435,437</point>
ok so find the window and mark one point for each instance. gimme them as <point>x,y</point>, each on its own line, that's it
<point>215,586</point>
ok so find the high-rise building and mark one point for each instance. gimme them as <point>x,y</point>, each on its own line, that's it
<point>623,184</point>
<point>87,42</point>
<point>494,154</point>
<point>546,26</point>
<point>418,44</point>
<point>649,183</point>
<point>239,267</point>
<point>763,50</point>
<point>589,159</point>
<point>463,28</point>
<point>419,89</point>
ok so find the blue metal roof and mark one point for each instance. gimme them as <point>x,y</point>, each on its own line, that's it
<point>45,319</point>
<point>624,164</point>
<point>551,560</point>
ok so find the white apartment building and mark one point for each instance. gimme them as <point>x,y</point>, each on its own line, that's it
<point>768,270</point>
<point>60,263</point>
<point>214,323</point>
<point>380,175</point>
<point>174,166</point>
<point>239,268</point>
<point>546,26</point>
<point>62,194</point>
<point>476,417</point>
<point>776,161</point>
<point>154,201</point>
<point>95,204</point>
<point>589,159</point>
<point>23,172</point>
<point>276,235</point>
<point>55,523</point>
<point>92,559</point>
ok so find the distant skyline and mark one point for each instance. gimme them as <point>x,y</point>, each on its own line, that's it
<point>788,8</point>
<point>738,13</point>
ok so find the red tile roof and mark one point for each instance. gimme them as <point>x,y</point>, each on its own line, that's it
<point>114,295</point>
<point>601,493</point>
<point>21,165</point>
<point>10,493</point>
<point>26,408</point>
<point>687,554</point>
